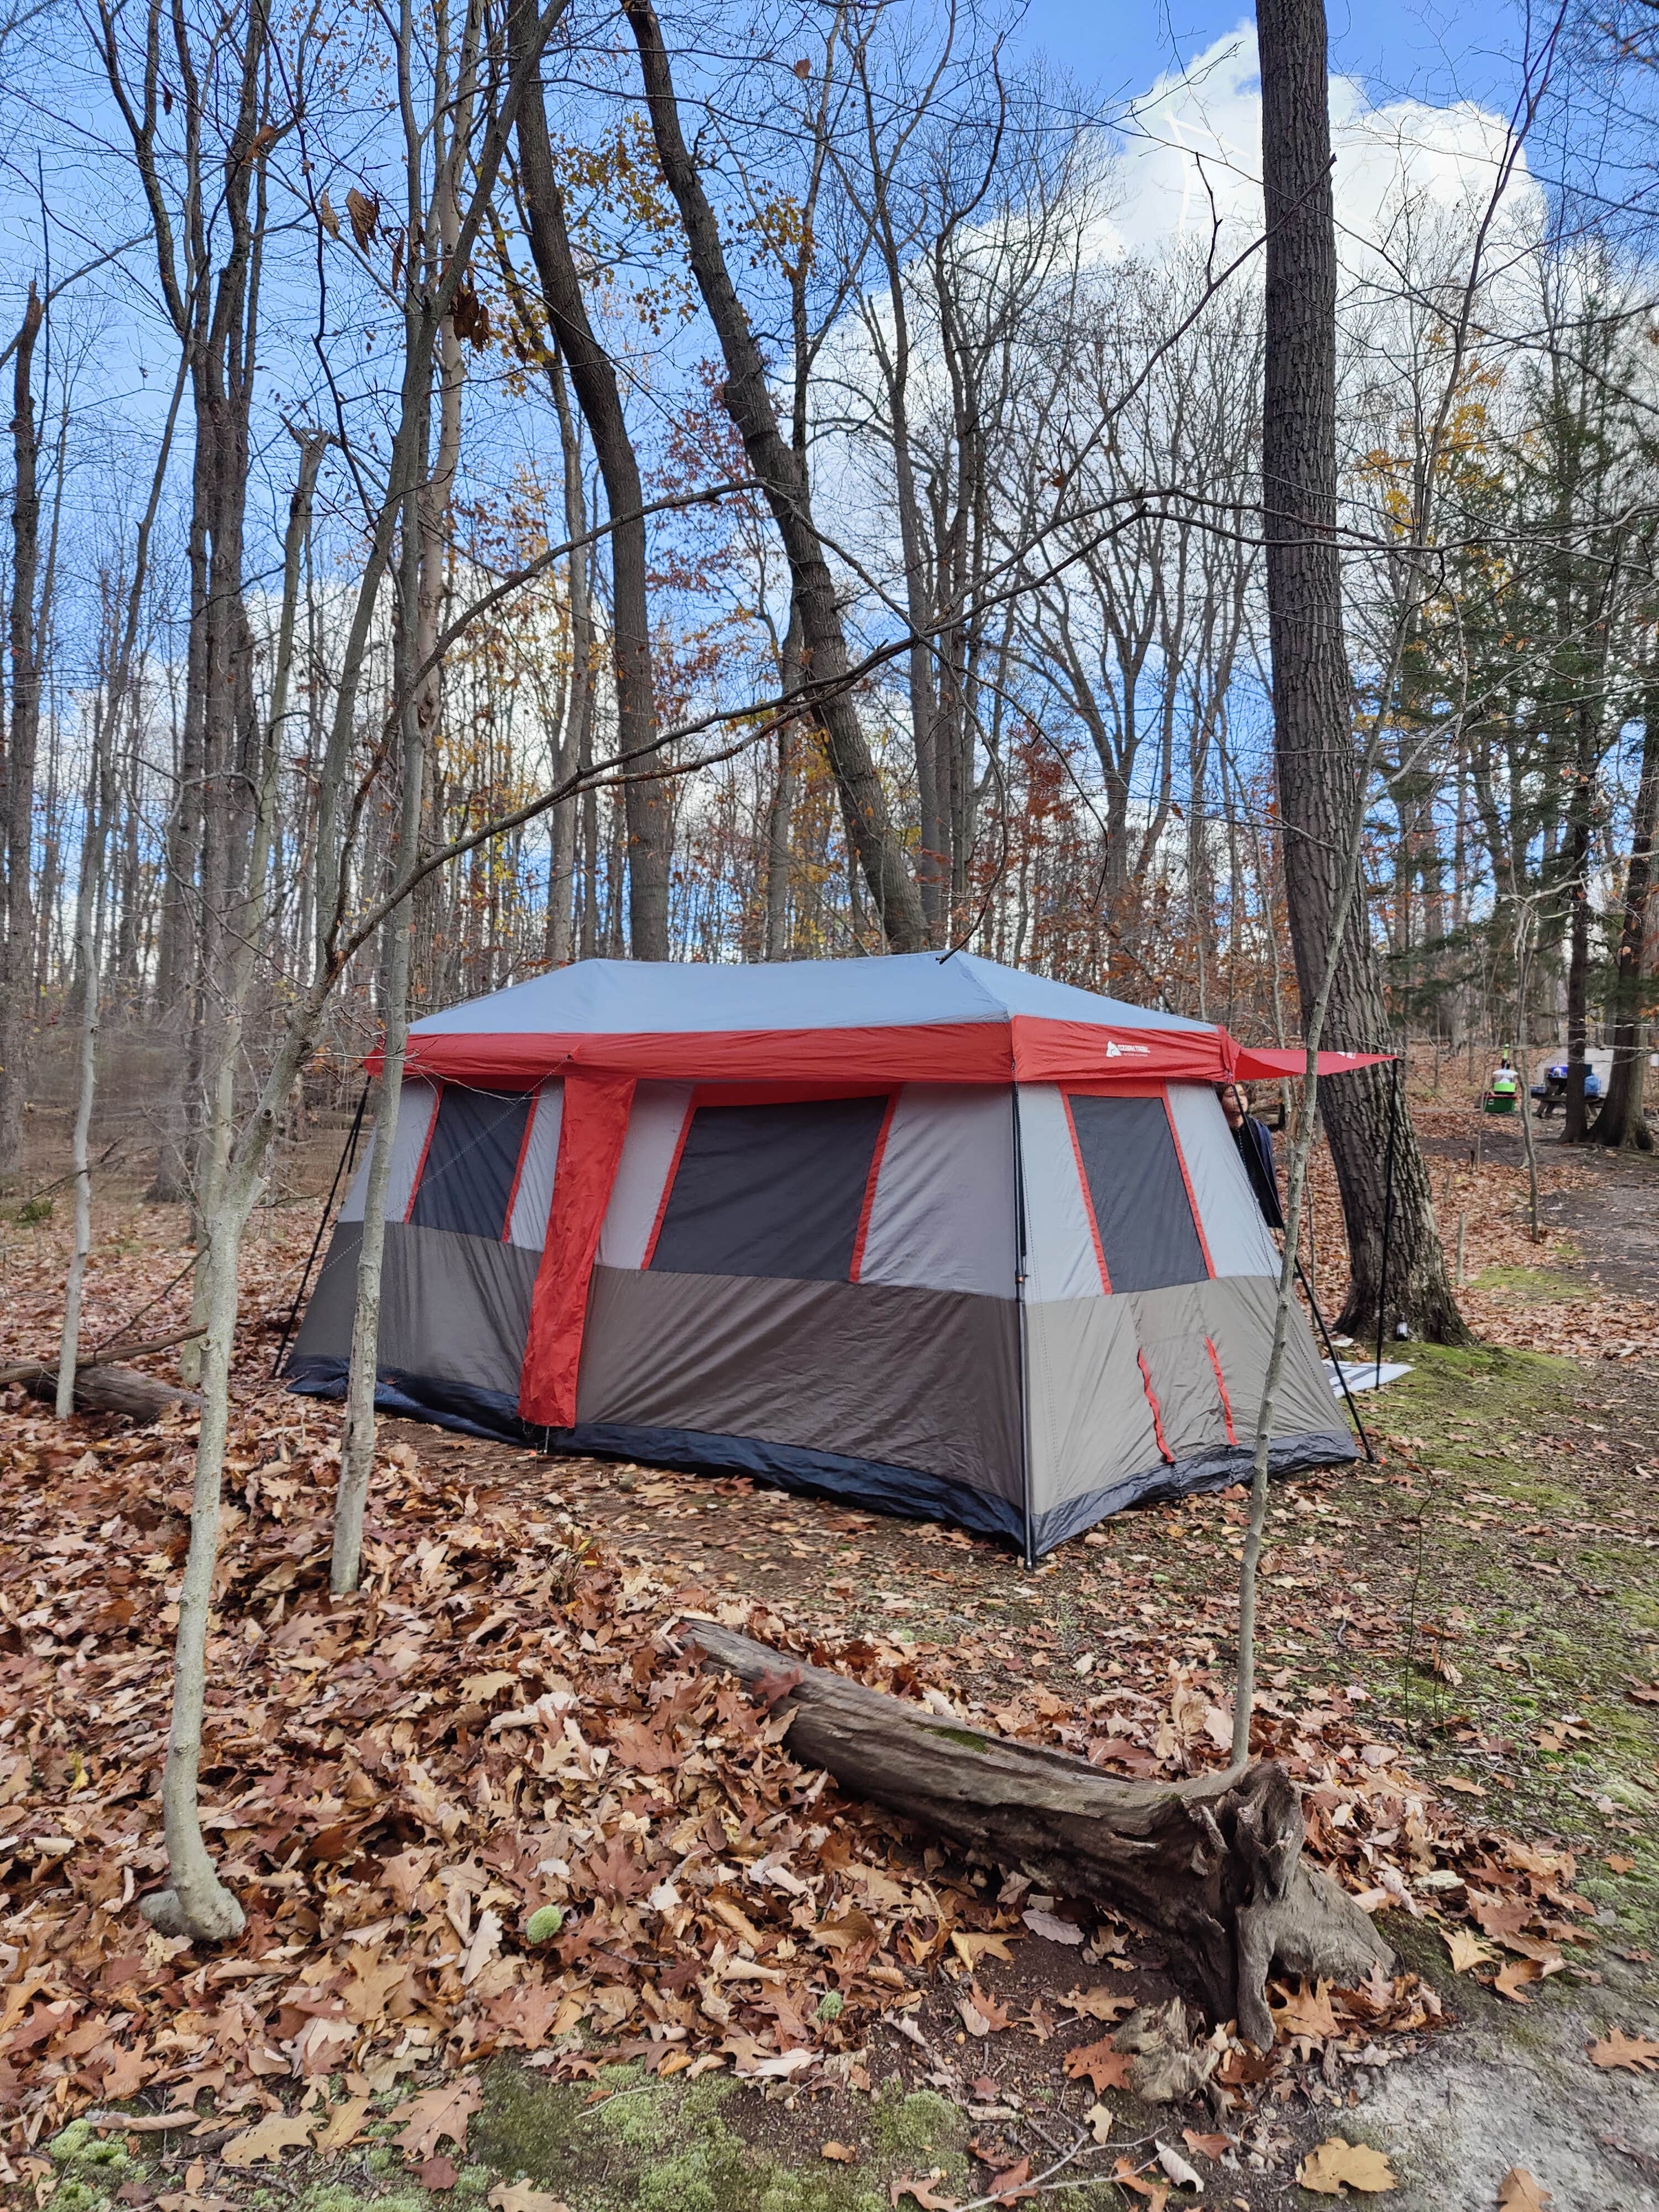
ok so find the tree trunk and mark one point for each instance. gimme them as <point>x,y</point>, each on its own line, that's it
<point>561,833</point>
<point>1575,1120</point>
<point>17,792</point>
<point>196,1903</point>
<point>781,812</point>
<point>357,1437</point>
<point>1318,766</point>
<point>645,798</point>
<point>1621,1120</point>
<point>1213,1865</point>
<point>426,502</point>
<point>748,401</point>
<point>99,794</point>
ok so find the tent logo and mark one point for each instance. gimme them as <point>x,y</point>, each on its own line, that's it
<point>1115,1051</point>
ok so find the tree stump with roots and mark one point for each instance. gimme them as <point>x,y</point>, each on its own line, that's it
<point>1214,1865</point>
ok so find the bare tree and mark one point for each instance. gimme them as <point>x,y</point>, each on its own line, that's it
<point>1318,765</point>
<point>595,378</point>
<point>748,399</point>
<point>18,966</point>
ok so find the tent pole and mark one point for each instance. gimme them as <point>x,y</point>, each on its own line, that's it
<point>1387,1218</point>
<point>1029,1538</point>
<point>1330,1354</point>
<point>342,1166</point>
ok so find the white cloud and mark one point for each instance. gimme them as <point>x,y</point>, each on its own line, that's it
<point>1192,155</point>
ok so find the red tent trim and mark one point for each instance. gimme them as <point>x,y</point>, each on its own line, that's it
<point>590,1131</point>
<point>1022,1049</point>
<point>1266,1062</point>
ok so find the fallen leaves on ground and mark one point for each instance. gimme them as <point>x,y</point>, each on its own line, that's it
<point>1337,2164</point>
<point>1105,2067</point>
<point>267,2139</point>
<point>496,1730</point>
<point>438,2115</point>
<point>1180,2170</point>
<point>497,1736</point>
<point>524,2196</point>
<point>1635,2054</point>
<point>1515,1979</point>
<point>1467,1952</point>
<point>1518,2192</point>
<point>929,2199</point>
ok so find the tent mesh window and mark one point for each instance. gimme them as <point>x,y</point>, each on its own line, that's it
<point>473,1161</point>
<point>1142,1211</point>
<point>770,1190</point>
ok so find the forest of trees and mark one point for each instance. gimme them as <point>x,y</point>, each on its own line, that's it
<point>492,487</point>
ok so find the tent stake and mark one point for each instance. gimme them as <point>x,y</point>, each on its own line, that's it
<point>342,1166</point>
<point>1388,1219</point>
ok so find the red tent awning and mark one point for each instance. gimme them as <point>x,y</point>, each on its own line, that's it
<point>1267,1063</point>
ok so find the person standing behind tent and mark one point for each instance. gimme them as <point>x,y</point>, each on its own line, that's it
<point>1256,1149</point>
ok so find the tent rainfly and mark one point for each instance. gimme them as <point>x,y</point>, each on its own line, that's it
<point>925,1233</point>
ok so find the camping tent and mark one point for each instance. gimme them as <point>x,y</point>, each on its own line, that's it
<point>926,1232</point>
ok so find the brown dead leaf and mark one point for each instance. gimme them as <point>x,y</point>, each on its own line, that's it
<point>843,2154</point>
<point>1098,2004</point>
<point>770,1688</point>
<point>929,2199</point>
<point>1619,1863</point>
<point>345,2125</point>
<point>1516,1977</point>
<point>364,210</point>
<point>1204,2146</point>
<point>1336,2165</point>
<point>438,2171</point>
<point>1518,2192</point>
<point>1127,2176</point>
<point>1306,2012</point>
<point>437,2115</point>
<point>268,2138</point>
<point>1467,1952</point>
<point>1634,2054</point>
<point>1105,2067</point>
<point>1051,1928</point>
<point>853,1927</point>
<point>980,2015</point>
<point>971,1949</point>
<point>724,1906</point>
<point>524,2196</point>
<point>1009,2187</point>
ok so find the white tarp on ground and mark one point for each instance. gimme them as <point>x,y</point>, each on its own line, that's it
<point>1368,1377</point>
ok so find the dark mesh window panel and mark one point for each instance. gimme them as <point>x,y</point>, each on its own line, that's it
<point>770,1190</point>
<point>471,1161</point>
<point>1138,1193</point>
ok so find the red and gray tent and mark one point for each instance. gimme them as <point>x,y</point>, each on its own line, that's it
<point>926,1233</point>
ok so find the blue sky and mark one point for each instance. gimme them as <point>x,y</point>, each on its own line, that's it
<point>1395,46</point>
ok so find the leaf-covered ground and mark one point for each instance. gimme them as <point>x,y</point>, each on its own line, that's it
<point>757,1994</point>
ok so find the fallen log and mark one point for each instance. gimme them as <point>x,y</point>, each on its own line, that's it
<point>106,1389</point>
<point>1213,1865</point>
<point>102,1386</point>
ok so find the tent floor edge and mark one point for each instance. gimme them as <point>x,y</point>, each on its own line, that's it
<point>905,1492</point>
